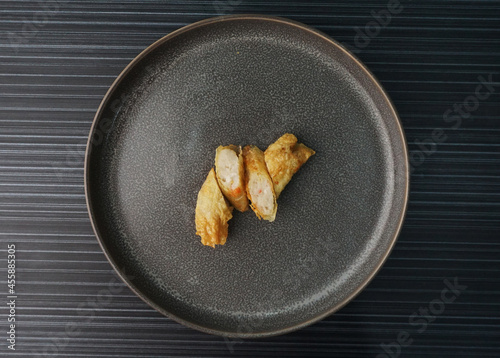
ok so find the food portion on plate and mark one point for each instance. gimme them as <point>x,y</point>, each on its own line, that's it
<point>284,158</point>
<point>230,172</point>
<point>260,189</point>
<point>247,177</point>
<point>212,213</point>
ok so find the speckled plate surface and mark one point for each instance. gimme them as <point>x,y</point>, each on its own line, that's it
<point>246,80</point>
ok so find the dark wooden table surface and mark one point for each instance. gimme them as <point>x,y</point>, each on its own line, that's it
<point>439,61</point>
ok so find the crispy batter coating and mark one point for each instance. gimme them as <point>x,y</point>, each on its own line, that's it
<point>212,213</point>
<point>230,172</point>
<point>283,158</point>
<point>259,185</point>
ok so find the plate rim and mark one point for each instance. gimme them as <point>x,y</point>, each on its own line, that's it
<point>123,74</point>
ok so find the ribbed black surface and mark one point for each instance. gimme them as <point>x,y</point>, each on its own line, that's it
<point>428,57</point>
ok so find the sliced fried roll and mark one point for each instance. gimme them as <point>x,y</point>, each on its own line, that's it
<point>259,185</point>
<point>283,158</point>
<point>230,173</point>
<point>212,213</point>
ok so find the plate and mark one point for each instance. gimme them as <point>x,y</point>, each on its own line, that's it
<point>246,80</point>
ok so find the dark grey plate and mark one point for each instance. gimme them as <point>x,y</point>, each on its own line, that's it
<point>246,80</point>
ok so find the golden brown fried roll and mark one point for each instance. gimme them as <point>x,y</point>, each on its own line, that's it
<point>230,175</point>
<point>259,185</point>
<point>212,213</point>
<point>283,158</point>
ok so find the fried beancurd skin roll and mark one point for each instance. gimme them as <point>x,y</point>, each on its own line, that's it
<point>212,213</point>
<point>259,185</point>
<point>284,158</point>
<point>230,172</point>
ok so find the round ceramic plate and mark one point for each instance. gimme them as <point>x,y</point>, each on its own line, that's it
<point>246,80</point>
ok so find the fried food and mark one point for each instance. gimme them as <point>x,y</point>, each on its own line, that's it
<point>212,213</point>
<point>244,178</point>
<point>230,173</point>
<point>259,185</point>
<point>284,158</point>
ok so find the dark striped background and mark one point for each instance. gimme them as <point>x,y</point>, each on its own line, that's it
<point>55,66</point>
